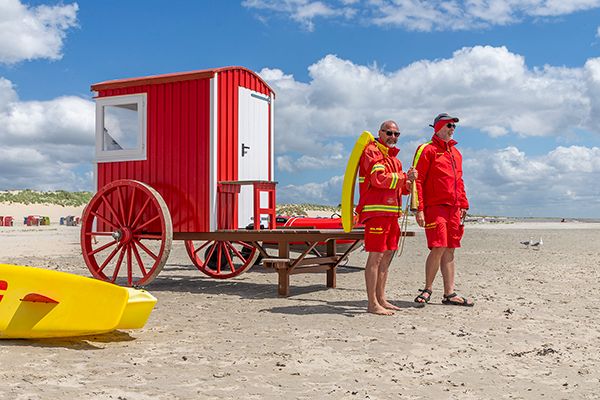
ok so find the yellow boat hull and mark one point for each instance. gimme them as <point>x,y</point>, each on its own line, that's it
<point>39,303</point>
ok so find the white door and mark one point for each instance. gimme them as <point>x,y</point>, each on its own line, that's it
<point>253,151</point>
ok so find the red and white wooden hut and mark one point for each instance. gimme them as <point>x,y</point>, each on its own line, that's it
<point>183,133</point>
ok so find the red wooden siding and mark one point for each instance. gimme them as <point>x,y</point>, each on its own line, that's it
<point>177,163</point>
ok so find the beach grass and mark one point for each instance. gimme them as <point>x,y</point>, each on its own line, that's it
<point>58,197</point>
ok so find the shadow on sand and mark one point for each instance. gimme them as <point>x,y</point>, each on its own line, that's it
<point>345,308</point>
<point>72,343</point>
<point>196,282</point>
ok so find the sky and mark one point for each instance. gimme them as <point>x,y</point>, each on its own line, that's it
<point>523,76</point>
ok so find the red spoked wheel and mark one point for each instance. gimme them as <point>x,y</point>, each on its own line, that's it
<point>126,233</point>
<point>221,259</point>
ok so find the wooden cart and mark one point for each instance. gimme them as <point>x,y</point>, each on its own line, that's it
<point>189,156</point>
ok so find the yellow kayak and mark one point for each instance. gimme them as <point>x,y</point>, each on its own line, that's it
<point>40,303</point>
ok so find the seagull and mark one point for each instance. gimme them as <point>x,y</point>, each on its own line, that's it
<point>537,245</point>
<point>527,243</point>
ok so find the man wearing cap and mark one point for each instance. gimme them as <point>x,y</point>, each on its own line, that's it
<point>382,184</point>
<point>442,206</point>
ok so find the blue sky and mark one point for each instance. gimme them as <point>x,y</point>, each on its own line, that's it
<point>523,76</point>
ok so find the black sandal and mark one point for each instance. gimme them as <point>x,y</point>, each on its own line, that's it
<point>464,302</point>
<point>425,299</point>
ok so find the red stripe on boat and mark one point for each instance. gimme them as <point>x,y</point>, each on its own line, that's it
<point>38,298</point>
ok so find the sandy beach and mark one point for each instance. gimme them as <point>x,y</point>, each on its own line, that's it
<point>533,333</point>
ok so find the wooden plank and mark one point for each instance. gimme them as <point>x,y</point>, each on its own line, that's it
<point>275,235</point>
<point>318,261</point>
<point>310,269</point>
<point>276,260</point>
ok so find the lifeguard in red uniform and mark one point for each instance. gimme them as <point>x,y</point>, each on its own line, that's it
<point>442,206</point>
<point>382,184</point>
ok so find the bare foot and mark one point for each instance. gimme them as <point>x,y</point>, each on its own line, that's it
<point>379,310</point>
<point>388,305</point>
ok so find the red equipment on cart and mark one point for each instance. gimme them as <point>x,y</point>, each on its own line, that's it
<point>319,223</point>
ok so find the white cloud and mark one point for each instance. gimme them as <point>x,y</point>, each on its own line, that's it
<point>64,120</point>
<point>490,88</point>
<point>327,192</point>
<point>7,93</point>
<point>45,144</point>
<point>494,130</point>
<point>418,15</point>
<point>33,32</point>
<point>575,159</point>
<point>555,7</point>
<point>591,77</point>
<point>330,155</point>
<point>304,11</point>
<point>508,182</point>
<point>41,169</point>
<point>285,163</point>
<point>443,15</point>
<point>505,182</point>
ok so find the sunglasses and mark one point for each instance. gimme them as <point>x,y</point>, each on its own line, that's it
<point>390,133</point>
<point>450,125</point>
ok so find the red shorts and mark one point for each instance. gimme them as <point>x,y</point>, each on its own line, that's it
<point>381,234</point>
<point>443,227</point>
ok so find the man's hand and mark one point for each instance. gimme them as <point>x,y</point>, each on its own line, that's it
<point>463,215</point>
<point>412,174</point>
<point>420,218</point>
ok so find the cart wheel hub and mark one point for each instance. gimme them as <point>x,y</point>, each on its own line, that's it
<point>122,235</point>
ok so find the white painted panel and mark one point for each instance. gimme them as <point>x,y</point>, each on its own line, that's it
<point>214,97</point>
<point>272,139</point>
<point>253,151</point>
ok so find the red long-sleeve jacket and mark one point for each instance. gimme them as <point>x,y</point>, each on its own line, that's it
<point>381,182</point>
<point>440,180</point>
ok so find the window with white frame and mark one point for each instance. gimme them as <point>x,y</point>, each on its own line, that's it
<point>121,128</point>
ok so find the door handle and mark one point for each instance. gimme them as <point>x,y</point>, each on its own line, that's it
<point>245,149</point>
